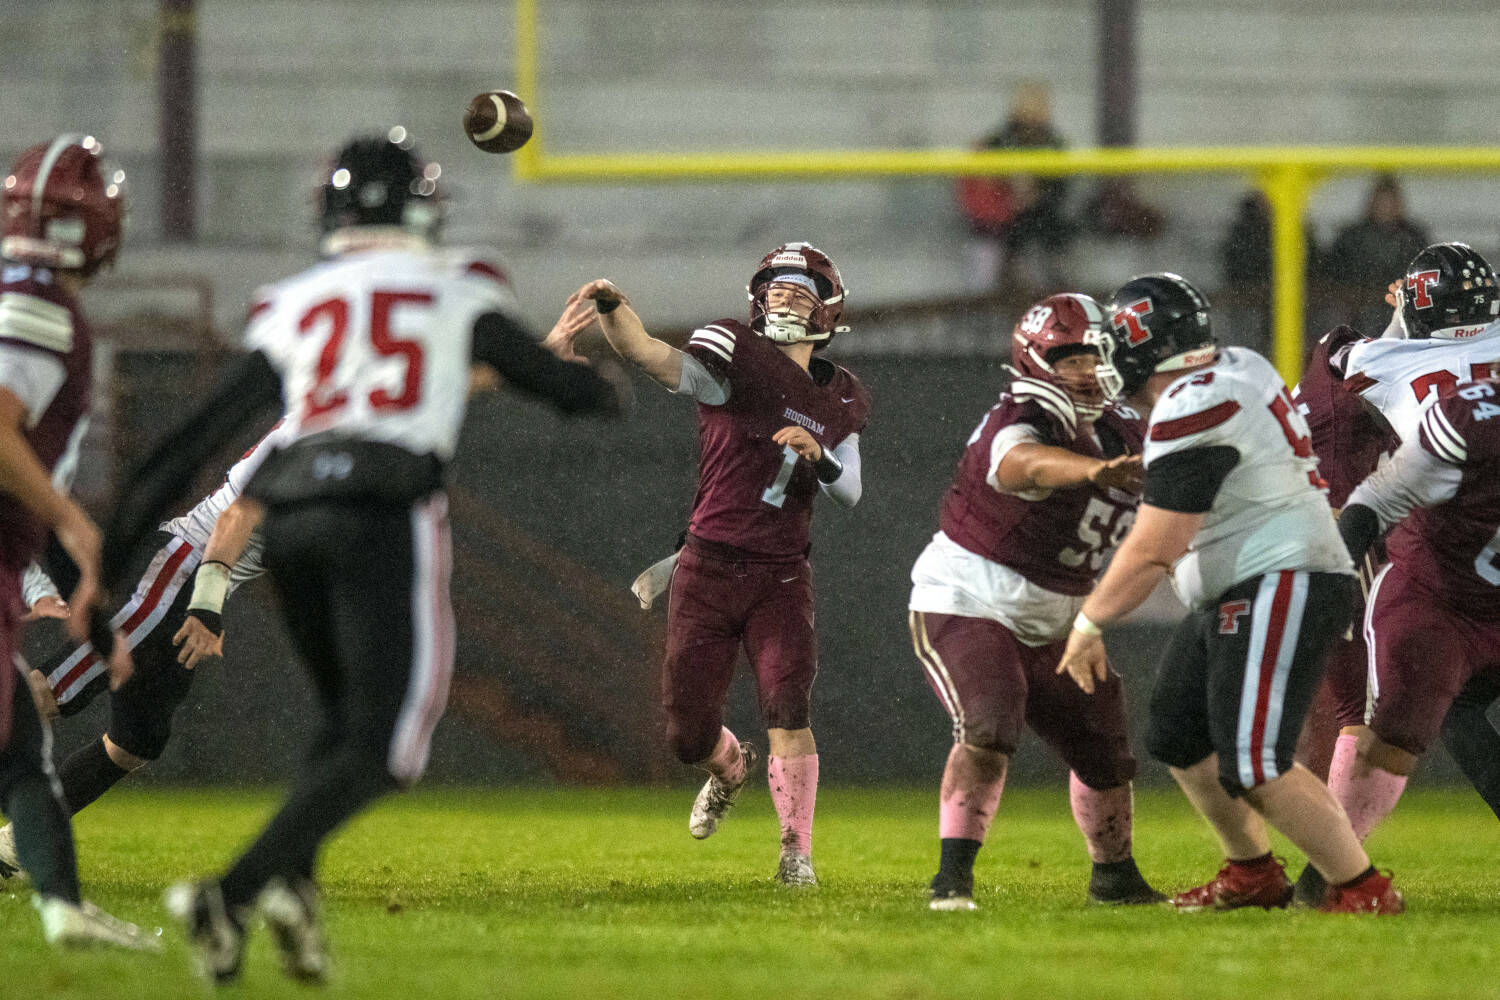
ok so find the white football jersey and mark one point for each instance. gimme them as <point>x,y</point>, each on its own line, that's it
<point>1401,378</point>
<point>197,525</point>
<point>375,344</point>
<point>1271,513</point>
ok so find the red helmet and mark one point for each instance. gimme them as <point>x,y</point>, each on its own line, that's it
<point>1053,329</point>
<point>805,265</point>
<point>61,207</point>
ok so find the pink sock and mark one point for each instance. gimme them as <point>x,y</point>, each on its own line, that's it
<point>967,812</point>
<point>726,762</point>
<point>1368,794</point>
<point>1104,817</point>
<point>794,789</point>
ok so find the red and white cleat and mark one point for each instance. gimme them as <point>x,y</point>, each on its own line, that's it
<point>1372,894</point>
<point>1261,882</point>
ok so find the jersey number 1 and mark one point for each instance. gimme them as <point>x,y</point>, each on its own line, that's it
<point>325,396</point>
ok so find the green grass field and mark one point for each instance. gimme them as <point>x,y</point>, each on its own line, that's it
<point>591,894</point>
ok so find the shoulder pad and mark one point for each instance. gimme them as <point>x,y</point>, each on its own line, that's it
<point>1444,426</point>
<point>719,339</point>
<point>1049,399</point>
<point>1196,403</point>
<point>35,321</point>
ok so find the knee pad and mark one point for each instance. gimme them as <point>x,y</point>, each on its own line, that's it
<point>984,737</point>
<point>1175,749</point>
<point>142,734</point>
<point>693,738</point>
<point>1107,772</point>
<point>787,713</point>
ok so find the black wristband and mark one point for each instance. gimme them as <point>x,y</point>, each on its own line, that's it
<point>1359,526</point>
<point>212,620</point>
<point>100,634</point>
<point>606,305</point>
<point>828,467</point>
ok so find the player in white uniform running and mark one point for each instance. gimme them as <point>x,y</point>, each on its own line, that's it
<point>1234,510</point>
<point>370,350</point>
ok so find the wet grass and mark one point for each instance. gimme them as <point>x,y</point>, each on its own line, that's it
<point>582,893</point>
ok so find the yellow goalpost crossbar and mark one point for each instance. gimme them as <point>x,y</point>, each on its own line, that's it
<point>1287,175</point>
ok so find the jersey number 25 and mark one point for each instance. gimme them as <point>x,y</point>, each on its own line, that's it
<point>326,396</point>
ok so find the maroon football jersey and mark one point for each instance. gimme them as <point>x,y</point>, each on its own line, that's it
<point>1347,438</point>
<point>754,494</point>
<point>37,315</point>
<point>1453,548</point>
<point>1058,542</point>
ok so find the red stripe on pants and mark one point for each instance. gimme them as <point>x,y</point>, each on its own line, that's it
<point>1268,657</point>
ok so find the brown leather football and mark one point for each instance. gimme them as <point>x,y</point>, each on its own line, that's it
<point>497,122</point>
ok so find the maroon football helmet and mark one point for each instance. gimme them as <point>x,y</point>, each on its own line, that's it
<point>805,265</point>
<point>62,207</point>
<point>1055,328</point>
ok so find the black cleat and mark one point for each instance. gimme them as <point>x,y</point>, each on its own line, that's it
<point>291,912</point>
<point>1310,889</point>
<point>216,935</point>
<point>950,893</point>
<point>1120,883</point>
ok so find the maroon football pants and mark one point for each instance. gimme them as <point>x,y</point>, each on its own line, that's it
<point>1424,652</point>
<point>719,605</point>
<point>991,683</point>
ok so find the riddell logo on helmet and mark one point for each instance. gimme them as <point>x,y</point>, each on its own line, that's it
<point>789,260</point>
<point>1459,333</point>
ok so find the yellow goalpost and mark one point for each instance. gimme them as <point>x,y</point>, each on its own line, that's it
<point>1287,175</point>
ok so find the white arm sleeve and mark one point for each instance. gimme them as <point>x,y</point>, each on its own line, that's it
<point>33,376</point>
<point>699,383</point>
<point>847,488</point>
<point>36,584</point>
<point>1412,477</point>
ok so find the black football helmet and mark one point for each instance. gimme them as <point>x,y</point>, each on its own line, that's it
<point>1153,323</point>
<point>1448,292</point>
<point>382,181</point>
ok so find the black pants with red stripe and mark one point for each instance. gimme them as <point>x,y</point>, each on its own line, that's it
<point>364,590</point>
<point>1238,676</point>
<point>141,709</point>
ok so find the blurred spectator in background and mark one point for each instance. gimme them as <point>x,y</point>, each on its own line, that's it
<point>1369,254</point>
<point>1117,212</point>
<point>1245,251</point>
<point>1011,214</point>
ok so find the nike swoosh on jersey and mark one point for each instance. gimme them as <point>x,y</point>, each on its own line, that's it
<point>849,400</point>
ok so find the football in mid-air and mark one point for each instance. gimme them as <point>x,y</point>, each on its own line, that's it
<point>497,122</point>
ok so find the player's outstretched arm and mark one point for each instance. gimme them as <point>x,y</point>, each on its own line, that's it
<point>509,349</point>
<point>627,334</point>
<point>250,387</point>
<point>202,633</point>
<point>1044,466</point>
